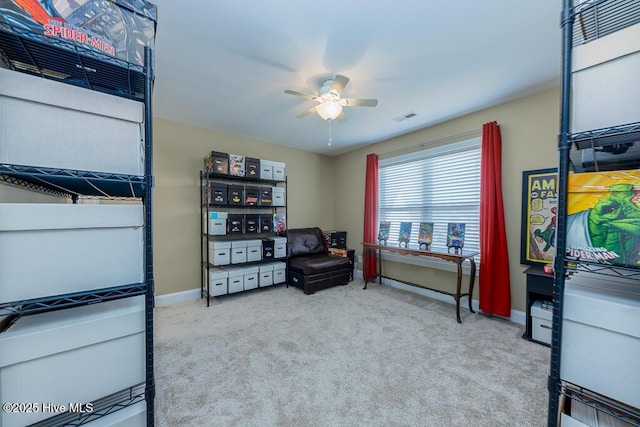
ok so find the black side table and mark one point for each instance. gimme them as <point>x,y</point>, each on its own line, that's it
<point>539,287</point>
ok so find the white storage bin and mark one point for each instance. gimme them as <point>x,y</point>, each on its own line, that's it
<point>266,169</point>
<point>601,338</point>
<point>254,250</point>
<point>279,272</point>
<point>278,171</point>
<point>220,253</point>
<point>568,421</point>
<point>238,251</point>
<point>218,281</point>
<point>51,249</point>
<point>279,247</point>
<point>597,105</point>
<point>265,275</point>
<point>250,277</point>
<point>277,196</point>
<point>236,279</point>
<point>217,223</point>
<point>52,124</point>
<point>75,355</point>
<point>541,315</point>
<point>131,416</point>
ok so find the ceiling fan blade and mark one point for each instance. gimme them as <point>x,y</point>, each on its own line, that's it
<point>307,112</point>
<point>339,83</point>
<point>357,102</point>
<point>300,94</point>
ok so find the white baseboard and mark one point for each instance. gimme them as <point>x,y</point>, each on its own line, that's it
<point>516,315</point>
<point>176,297</point>
<point>193,294</point>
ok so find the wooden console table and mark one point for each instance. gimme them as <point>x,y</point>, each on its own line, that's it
<point>457,259</point>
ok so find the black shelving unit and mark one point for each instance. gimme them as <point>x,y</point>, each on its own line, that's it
<point>581,24</point>
<point>205,208</point>
<point>70,63</point>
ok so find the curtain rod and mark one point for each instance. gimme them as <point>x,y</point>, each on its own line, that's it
<point>467,134</point>
<point>432,142</point>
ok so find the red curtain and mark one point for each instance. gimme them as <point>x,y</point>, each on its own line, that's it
<point>370,216</point>
<point>495,288</point>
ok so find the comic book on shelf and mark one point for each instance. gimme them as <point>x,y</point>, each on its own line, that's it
<point>405,232</point>
<point>383,230</point>
<point>236,165</point>
<point>425,233</point>
<point>455,234</point>
<point>279,222</point>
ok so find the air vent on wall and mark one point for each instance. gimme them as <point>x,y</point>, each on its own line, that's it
<point>405,116</point>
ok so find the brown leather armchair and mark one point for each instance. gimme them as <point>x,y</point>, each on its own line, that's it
<point>310,266</point>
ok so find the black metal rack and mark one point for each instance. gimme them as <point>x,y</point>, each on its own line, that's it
<point>581,24</point>
<point>70,63</point>
<point>205,208</point>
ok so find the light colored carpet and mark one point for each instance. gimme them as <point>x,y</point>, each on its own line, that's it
<point>343,357</point>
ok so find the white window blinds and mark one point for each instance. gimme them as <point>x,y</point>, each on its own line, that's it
<point>439,185</point>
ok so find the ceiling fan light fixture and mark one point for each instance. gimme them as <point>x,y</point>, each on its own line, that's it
<point>329,110</point>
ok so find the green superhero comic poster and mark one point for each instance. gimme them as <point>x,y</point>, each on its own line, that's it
<point>603,218</point>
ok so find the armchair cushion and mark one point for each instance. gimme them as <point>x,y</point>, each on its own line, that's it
<point>306,241</point>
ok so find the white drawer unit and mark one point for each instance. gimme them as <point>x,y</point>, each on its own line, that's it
<point>216,223</point>
<point>541,315</point>
<point>254,250</point>
<point>597,105</point>
<point>601,337</point>
<point>220,253</point>
<point>279,171</point>
<point>218,282</point>
<point>52,124</point>
<point>250,277</point>
<point>75,355</point>
<point>277,196</point>
<point>279,247</point>
<point>51,249</point>
<point>265,275</point>
<point>236,279</point>
<point>266,169</point>
<point>279,272</point>
<point>239,252</point>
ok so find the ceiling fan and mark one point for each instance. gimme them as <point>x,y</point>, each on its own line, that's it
<point>329,98</point>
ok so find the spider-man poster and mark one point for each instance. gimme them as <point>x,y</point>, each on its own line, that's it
<point>119,28</point>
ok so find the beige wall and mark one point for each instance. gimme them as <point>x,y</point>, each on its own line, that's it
<point>529,128</point>
<point>179,151</point>
<point>329,192</point>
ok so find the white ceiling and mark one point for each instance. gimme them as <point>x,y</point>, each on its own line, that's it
<point>224,65</point>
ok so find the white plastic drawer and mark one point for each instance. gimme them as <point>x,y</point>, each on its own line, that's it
<point>54,357</point>
<point>52,249</point>
<point>52,124</point>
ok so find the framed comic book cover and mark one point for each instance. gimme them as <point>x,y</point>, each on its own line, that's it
<point>603,218</point>
<point>539,209</point>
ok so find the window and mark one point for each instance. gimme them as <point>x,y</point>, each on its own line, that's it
<point>439,185</point>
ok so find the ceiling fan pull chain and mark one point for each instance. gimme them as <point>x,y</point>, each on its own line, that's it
<point>330,138</point>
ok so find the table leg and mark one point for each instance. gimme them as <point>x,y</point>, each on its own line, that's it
<point>379,266</point>
<point>458,289</point>
<point>365,255</point>
<point>472,279</point>
<point>364,265</point>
